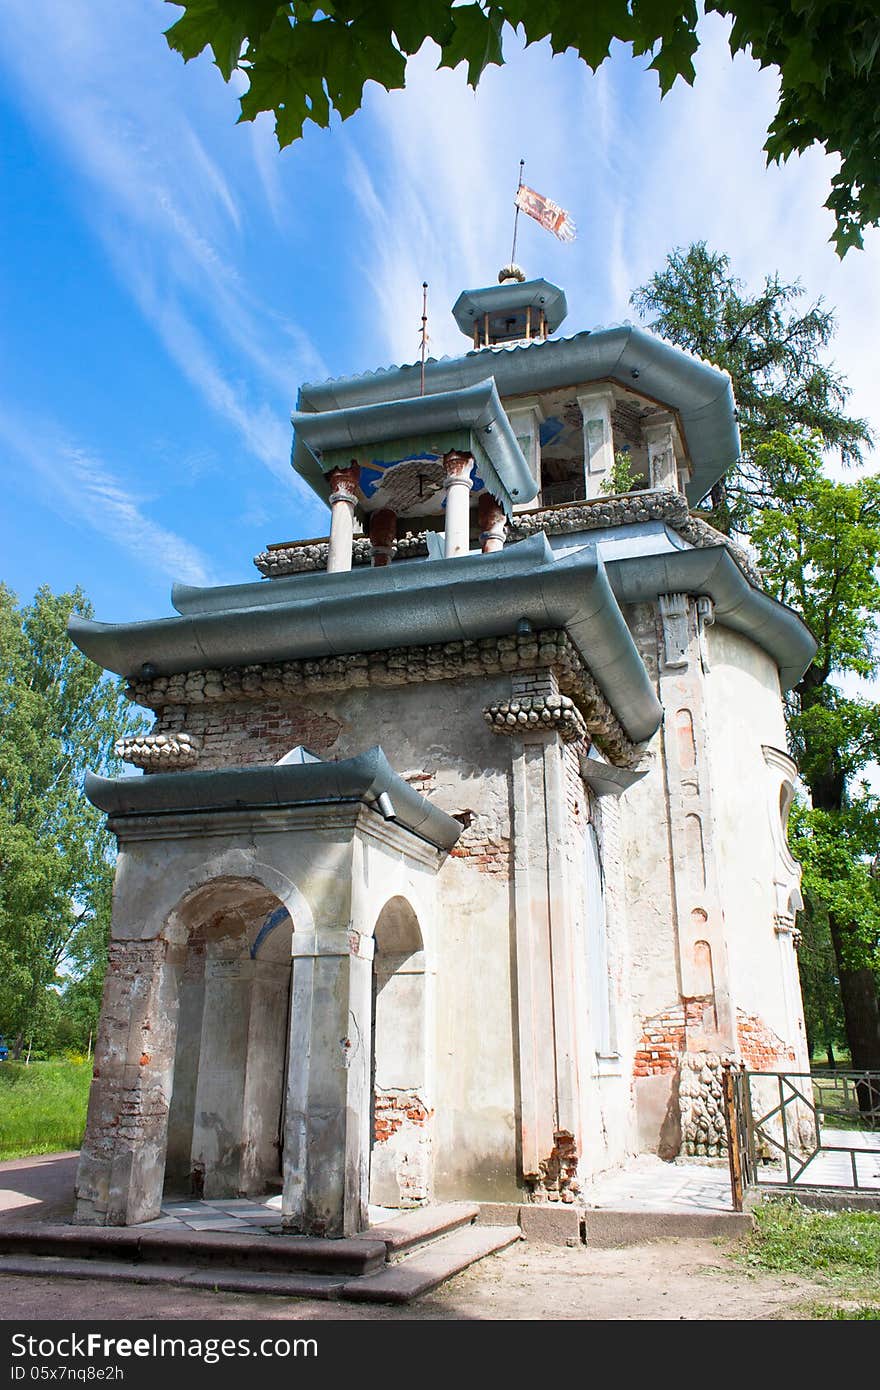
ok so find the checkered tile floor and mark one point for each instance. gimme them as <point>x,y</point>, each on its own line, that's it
<point>247,1214</point>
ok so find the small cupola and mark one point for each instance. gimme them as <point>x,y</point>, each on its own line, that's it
<point>516,310</point>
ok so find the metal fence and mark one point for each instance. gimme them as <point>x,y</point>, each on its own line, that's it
<point>816,1130</point>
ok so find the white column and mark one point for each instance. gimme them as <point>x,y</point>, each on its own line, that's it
<point>458,484</point>
<point>597,406</point>
<point>343,496</point>
<point>659,436</point>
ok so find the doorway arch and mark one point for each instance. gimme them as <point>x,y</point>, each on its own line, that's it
<point>225,1123</point>
<point>401,1151</point>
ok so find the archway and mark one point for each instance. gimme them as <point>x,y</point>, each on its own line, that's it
<point>401,1155</point>
<point>225,1125</point>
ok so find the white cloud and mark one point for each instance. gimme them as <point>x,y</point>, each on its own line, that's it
<point>77,483</point>
<point>170,218</point>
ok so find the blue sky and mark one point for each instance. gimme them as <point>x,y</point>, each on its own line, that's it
<point>169,278</point>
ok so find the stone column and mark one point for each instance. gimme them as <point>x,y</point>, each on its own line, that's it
<point>121,1169</point>
<point>383,534</point>
<point>597,406</point>
<point>327,1129</point>
<point>493,523</point>
<point>343,496</point>
<point>659,436</point>
<point>457,485</point>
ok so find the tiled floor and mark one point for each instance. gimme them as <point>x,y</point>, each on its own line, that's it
<point>649,1184</point>
<point>245,1214</point>
<point>228,1214</point>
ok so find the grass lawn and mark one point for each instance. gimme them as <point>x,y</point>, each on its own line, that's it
<point>842,1248</point>
<point>42,1106</point>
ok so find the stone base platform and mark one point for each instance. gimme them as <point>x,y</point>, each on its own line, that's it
<point>393,1263</point>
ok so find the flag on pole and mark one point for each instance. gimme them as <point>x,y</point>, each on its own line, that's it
<point>549,214</point>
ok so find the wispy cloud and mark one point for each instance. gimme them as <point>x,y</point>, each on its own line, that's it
<point>170,218</point>
<point>78,484</point>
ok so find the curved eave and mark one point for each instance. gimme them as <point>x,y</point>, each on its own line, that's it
<point>701,395</point>
<point>413,604</point>
<point>494,299</point>
<point>475,407</point>
<point>738,604</point>
<point>361,779</point>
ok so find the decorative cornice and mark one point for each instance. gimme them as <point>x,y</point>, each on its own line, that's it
<point>305,557</point>
<point>160,752</point>
<point>537,714</point>
<point>490,656</point>
<point>626,510</point>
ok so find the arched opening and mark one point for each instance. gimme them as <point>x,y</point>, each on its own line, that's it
<point>401,1157</point>
<point>225,1125</point>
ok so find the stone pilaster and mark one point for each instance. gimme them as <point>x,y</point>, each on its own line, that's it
<point>545,967</point>
<point>597,406</point>
<point>526,415</point>
<point>659,436</point>
<point>703,967</point>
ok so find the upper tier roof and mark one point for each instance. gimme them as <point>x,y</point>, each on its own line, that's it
<point>700,395</point>
<point>510,296</point>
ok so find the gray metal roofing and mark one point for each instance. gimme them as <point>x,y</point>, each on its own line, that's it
<point>475,407</point>
<point>363,778</point>
<point>699,393</point>
<point>411,604</point>
<point>494,299</point>
<point>738,604</point>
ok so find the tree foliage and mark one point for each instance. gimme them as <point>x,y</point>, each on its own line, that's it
<point>774,349</point>
<point>304,60</point>
<point>58,717</point>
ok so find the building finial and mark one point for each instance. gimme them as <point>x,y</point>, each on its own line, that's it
<point>511,272</point>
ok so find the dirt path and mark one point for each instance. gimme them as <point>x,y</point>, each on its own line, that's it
<point>670,1280</point>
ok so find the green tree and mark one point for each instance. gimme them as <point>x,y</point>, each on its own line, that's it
<point>58,717</point>
<point>774,350</point>
<point>819,549</point>
<point>304,60</point>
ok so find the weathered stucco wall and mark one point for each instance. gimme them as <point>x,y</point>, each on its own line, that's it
<point>746,717</point>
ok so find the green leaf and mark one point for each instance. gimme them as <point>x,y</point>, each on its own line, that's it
<point>475,40</point>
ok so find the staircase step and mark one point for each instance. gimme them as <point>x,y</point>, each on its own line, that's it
<point>428,1267</point>
<point>280,1254</point>
<point>416,1227</point>
<point>293,1284</point>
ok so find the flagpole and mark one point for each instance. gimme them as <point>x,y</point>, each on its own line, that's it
<point>522,165</point>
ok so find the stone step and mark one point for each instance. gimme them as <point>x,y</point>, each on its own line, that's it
<point>430,1265</point>
<point>403,1234</point>
<point>607,1229</point>
<point>281,1254</point>
<point>292,1284</point>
